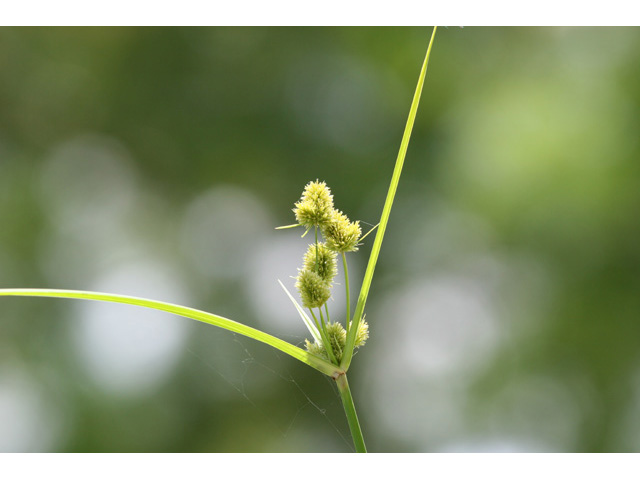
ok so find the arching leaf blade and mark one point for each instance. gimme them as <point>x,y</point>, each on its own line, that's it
<point>199,315</point>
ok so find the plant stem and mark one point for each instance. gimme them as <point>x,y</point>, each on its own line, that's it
<point>350,411</point>
<point>324,325</point>
<point>315,319</point>
<point>326,334</point>
<point>325,338</point>
<point>346,282</point>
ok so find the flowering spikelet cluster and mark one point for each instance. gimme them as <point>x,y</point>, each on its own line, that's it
<point>314,291</point>
<point>314,281</point>
<point>338,339</point>
<point>315,209</point>
<point>321,260</point>
<point>316,277</point>
<point>341,234</point>
<point>315,206</point>
<point>362,335</point>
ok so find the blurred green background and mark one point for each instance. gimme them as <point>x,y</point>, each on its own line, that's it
<point>505,310</point>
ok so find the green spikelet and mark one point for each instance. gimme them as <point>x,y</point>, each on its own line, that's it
<point>362,334</point>
<point>321,260</point>
<point>341,234</point>
<point>313,290</point>
<point>315,206</point>
<point>338,339</point>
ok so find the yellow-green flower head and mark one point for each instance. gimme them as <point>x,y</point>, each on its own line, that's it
<point>316,349</point>
<point>315,206</point>
<point>321,260</point>
<point>340,234</point>
<point>314,291</point>
<point>338,339</point>
<point>337,336</point>
<point>362,334</point>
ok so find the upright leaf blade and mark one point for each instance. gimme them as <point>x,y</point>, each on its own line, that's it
<point>384,219</point>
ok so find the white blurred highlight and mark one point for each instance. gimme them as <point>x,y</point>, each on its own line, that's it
<point>130,350</point>
<point>29,422</point>
<point>88,184</point>
<point>443,325</point>
<point>88,187</point>
<point>220,228</point>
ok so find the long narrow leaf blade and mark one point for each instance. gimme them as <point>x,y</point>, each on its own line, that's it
<point>377,243</point>
<point>199,315</point>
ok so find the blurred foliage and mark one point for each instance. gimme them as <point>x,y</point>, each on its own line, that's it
<point>505,311</point>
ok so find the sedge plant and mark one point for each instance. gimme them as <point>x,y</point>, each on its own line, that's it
<point>332,346</point>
